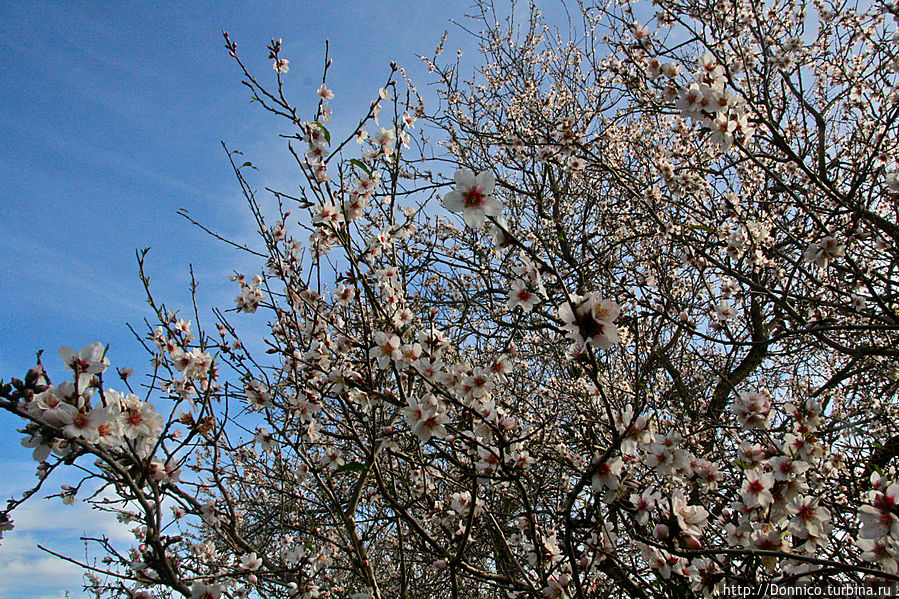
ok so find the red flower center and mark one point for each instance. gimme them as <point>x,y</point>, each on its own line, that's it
<point>884,502</point>
<point>474,197</point>
<point>756,487</point>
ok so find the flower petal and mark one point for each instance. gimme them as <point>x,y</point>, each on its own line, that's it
<point>492,206</point>
<point>486,182</point>
<point>66,353</point>
<point>453,201</point>
<point>473,217</point>
<point>464,178</point>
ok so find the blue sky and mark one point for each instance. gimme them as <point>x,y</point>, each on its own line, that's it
<point>112,117</point>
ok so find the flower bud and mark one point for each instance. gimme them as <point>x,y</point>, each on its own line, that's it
<point>691,542</point>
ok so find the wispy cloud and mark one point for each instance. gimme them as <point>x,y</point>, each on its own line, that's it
<point>66,271</point>
<point>25,570</point>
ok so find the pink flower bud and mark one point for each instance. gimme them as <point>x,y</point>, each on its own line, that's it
<point>691,542</point>
<point>660,532</point>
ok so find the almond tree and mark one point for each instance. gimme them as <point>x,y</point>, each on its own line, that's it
<point>642,344</point>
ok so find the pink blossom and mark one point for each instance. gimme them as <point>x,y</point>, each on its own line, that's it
<point>472,196</point>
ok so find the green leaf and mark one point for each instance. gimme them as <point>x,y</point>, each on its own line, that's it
<point>325,130</point>
<point>361,165</point>
<point>352,467</point>
<point>249,164</point>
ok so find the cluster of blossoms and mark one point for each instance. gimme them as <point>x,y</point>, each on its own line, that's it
<point>879,534</point>
<point>318,141</point>
<point>250,295</point>
<point>426,417</point>
<point>752,409</point>
<point>707,101</point>
<point>70,411</point>
<point>640,364</point>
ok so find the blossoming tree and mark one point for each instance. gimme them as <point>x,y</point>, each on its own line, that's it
<point>642,345</point>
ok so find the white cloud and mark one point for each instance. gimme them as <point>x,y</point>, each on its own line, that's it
<point>25,570</point>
